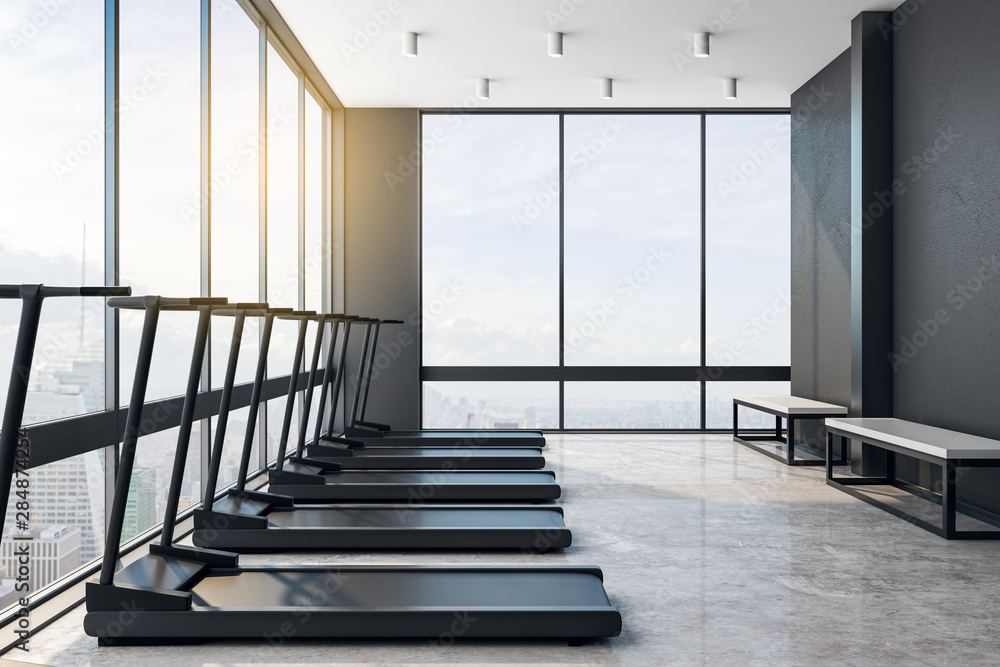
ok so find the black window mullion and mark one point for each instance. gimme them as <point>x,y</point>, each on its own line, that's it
<point>704,177</point>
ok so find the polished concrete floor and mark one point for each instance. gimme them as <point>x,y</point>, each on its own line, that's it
<point>714,554</point>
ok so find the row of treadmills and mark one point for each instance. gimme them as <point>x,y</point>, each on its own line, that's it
<point>372,488</point>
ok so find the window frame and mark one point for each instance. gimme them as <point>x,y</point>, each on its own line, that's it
<point>702,373</point>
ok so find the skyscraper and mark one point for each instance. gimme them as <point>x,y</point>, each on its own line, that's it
<point>140,510</point>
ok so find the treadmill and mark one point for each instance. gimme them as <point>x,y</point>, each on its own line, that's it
<point>357,455</point>
<point>312,480</point>
<point>177,594</point>
<point>254,522</point>
<point>372,433</point>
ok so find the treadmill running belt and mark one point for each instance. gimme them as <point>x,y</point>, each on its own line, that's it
<point>383,589</point>
<point>432,477</point>
<point>422,518</point>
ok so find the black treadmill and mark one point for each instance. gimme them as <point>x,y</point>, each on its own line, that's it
<point>374,434</point>
<point>175,594</point>
<point>357,455</point>
<point>311,480</point>
<point>253,522</point>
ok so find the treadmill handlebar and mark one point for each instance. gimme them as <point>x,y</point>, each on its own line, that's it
<point>164,302</point>
<point>392,321</point>
<point>251,309</point>
<point>46,291</point>
<point>299,315</point>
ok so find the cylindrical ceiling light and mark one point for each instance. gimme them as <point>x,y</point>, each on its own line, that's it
<point>729,89</point>
<point>701,44</point>
<point>556,44</point>
<point>483,89</point>
<point>410,44</point>
<point>606,89</point>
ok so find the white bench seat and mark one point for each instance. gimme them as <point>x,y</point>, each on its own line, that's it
<point>937,442</point>
<point>788,406</point>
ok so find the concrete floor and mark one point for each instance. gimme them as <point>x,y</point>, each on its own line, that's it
<point>714,554</point>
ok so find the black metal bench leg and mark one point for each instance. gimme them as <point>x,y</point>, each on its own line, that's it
<point>790,440</point>
<point>829,456</point>
<point>736,421</point>
<point>948,480</point>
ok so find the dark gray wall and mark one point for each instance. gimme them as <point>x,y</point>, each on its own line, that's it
<point>382,253</point>
<point>946,298</point>
<point>821,235</point>
<point>946,96</point>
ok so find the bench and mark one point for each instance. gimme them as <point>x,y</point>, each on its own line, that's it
<point>790,408</point>
<point>949,449</point>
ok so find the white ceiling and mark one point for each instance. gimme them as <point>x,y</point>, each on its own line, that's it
<point>771,46</point>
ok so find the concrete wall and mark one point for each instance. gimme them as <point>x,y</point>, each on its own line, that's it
<point>382,254</point>
<point>946,304</point>
<point>821,236</point>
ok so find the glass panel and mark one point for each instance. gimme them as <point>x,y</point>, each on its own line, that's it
<point>159,174</point>
<point>491,240</point>
<point>282,183</point>
<point>52,189</point>
<point>282,222</point>
<point>491,405</point>
<point>748,252</point>
<point>235,154</point>
<point>314,252</point>
<point>719,403</point>
<point>232,450</point>
<point>66,521</point>
<point>150,482</point>
<point>632,240</point>
<point>632,405</point>
<point>279,364</point>
<point>235,197</point>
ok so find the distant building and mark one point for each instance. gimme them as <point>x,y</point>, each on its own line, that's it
<point>69,492</point>
<point>54,552</point>
<point>140,510</point>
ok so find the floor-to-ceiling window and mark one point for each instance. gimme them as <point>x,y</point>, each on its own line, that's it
<point>490,284</point>
<point>175,210</point>
<point>52,231</point>
<point>597,271</point>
